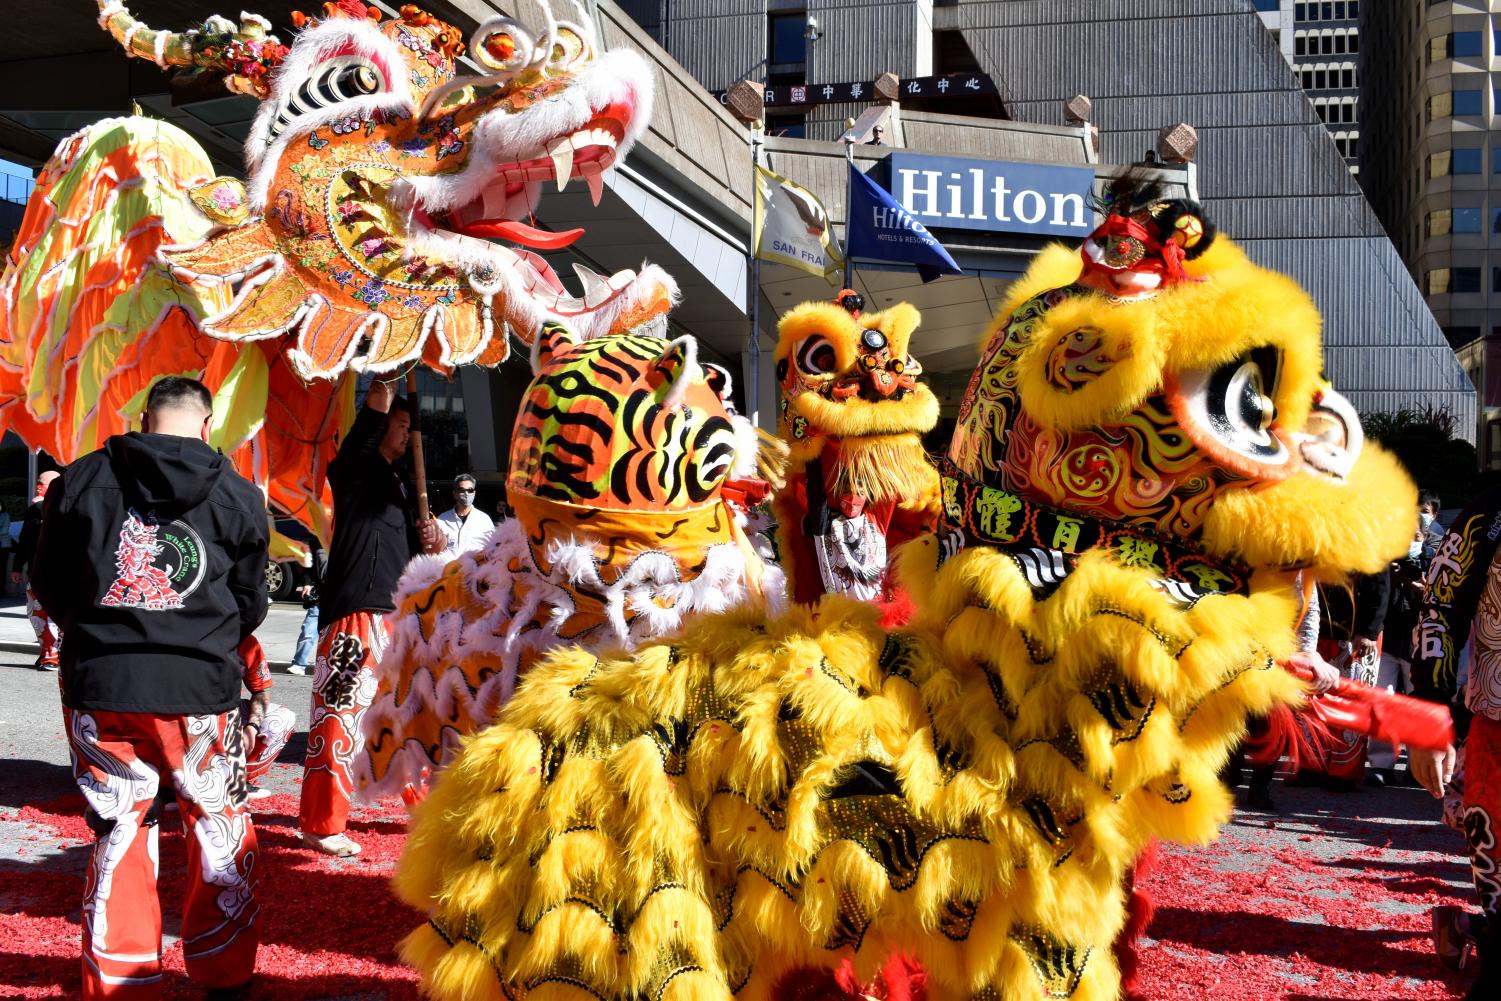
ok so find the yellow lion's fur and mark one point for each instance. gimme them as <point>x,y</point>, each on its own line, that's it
<point>756,795</point>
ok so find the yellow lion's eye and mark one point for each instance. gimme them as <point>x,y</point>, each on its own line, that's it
<point>816,356</point>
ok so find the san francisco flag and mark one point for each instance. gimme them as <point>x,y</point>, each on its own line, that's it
<point>792,227</point>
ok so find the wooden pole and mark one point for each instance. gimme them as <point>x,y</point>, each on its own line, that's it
<point>414,447</point>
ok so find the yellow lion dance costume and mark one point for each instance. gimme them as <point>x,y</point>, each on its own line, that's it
<point>852,414</point>
<point>1138,477</point>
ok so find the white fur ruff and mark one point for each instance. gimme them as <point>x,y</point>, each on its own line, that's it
<point>650,585</point>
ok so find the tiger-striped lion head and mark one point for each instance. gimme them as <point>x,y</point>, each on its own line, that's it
<point>627,423</point>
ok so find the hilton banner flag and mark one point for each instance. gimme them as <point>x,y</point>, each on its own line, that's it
<point>881,230</point>
<point>792,227</point>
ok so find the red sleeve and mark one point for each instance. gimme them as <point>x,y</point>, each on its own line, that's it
<point>257,670</point>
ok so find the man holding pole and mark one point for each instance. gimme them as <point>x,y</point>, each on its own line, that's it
<point>377,530</point>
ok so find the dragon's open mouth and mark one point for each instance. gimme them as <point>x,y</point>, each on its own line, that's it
<point>586,152</point>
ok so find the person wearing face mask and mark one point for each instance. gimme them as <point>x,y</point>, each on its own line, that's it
<point>1433,532</point>
<point>465,527</point>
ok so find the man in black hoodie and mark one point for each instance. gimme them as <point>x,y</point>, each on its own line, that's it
<point>152,559</point>
<point>375,535</point>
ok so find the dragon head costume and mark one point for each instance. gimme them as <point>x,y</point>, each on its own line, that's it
<point>377,179</point>
<point>630,474</point>
<point>755,805</point>
<point>853,412</point>
<point>362,239</point>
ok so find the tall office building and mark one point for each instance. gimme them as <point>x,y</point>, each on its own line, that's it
<point>1321,42</point>
<point>1431,161</point>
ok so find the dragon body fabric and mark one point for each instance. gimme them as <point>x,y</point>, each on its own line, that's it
<point>628,475</point>
<point>359,242</point>
<point>852,413</point>
<point>756,805</point>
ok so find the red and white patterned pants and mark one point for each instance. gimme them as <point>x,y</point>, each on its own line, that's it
<point>343,688</point>
<point>47,633</point>
<point>1480,810</point>
<point>119,760</point>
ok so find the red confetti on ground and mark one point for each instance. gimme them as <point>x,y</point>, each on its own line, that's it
<point>1261,922</point>
<point>1311,907</point>
<point>329,927</point>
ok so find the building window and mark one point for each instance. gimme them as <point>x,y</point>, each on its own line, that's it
<point>787,126</point>
<point>1300,12</point>
<point>1266,5</point>
<point>1466,102</point>
<point>1437,281</point>
<point>1354,41</point>
<point>1439,222</point>
<point>1352,9</point>
<point>1467,220</point>
<point>1300,44</point>
<point>1463,44</point>
<point>1466,161</point>
<point>1440,106</point>
<point>1496,220</point>
<point>1438,164</point>
<point>1464,280</point>
<point>788,49</point>
<point>1347,77</point>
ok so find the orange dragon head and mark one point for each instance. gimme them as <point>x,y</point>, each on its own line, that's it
<point>378,180</point>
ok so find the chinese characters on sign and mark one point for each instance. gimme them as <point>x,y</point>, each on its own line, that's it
<point>954,85</point>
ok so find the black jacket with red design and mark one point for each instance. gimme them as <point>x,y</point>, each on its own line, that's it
<point>152,559</point>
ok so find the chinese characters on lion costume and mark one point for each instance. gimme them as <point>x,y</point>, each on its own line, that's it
<point>766,806</point>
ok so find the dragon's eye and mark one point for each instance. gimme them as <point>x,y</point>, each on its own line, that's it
<point>1230,409</point>
<point>569,46</point>
<point>340,79</point>
<point>501,45</point>
<point>816,356</point>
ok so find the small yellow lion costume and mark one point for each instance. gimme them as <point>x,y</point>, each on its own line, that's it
<point>1134,487</point>
<point>853,414</point>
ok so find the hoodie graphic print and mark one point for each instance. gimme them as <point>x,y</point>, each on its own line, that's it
<point>156,566</point>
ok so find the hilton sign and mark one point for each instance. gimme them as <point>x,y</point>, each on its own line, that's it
<point>944,192</point>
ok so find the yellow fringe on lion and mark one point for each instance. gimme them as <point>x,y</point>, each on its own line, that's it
<point>1146,459</point>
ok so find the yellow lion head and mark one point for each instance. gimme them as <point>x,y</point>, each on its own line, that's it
<point>1195,415</point>
<point>847,376</point>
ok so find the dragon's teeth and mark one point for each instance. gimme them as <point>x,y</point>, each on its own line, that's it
<point>561,152</point>
<point>596,182</point>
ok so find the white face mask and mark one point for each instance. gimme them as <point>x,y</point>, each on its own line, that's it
<point>1415,550</point>
<point>1426,519</point>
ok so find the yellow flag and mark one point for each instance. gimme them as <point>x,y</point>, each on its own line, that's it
<point>792,227</point>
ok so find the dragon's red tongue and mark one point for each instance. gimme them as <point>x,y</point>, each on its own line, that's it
<point>520,232</point>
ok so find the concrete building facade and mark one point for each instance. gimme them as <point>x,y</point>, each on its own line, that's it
<point>1431,165</point>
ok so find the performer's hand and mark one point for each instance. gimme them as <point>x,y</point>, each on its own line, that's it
<point>1325,674</point>
<point>380,396</point>
<point>1432,769</point>
<point>15,576</point>
<point>431,536</point>
<point>1363,648</point>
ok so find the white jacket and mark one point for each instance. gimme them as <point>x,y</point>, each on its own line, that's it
<point>464,535</point>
